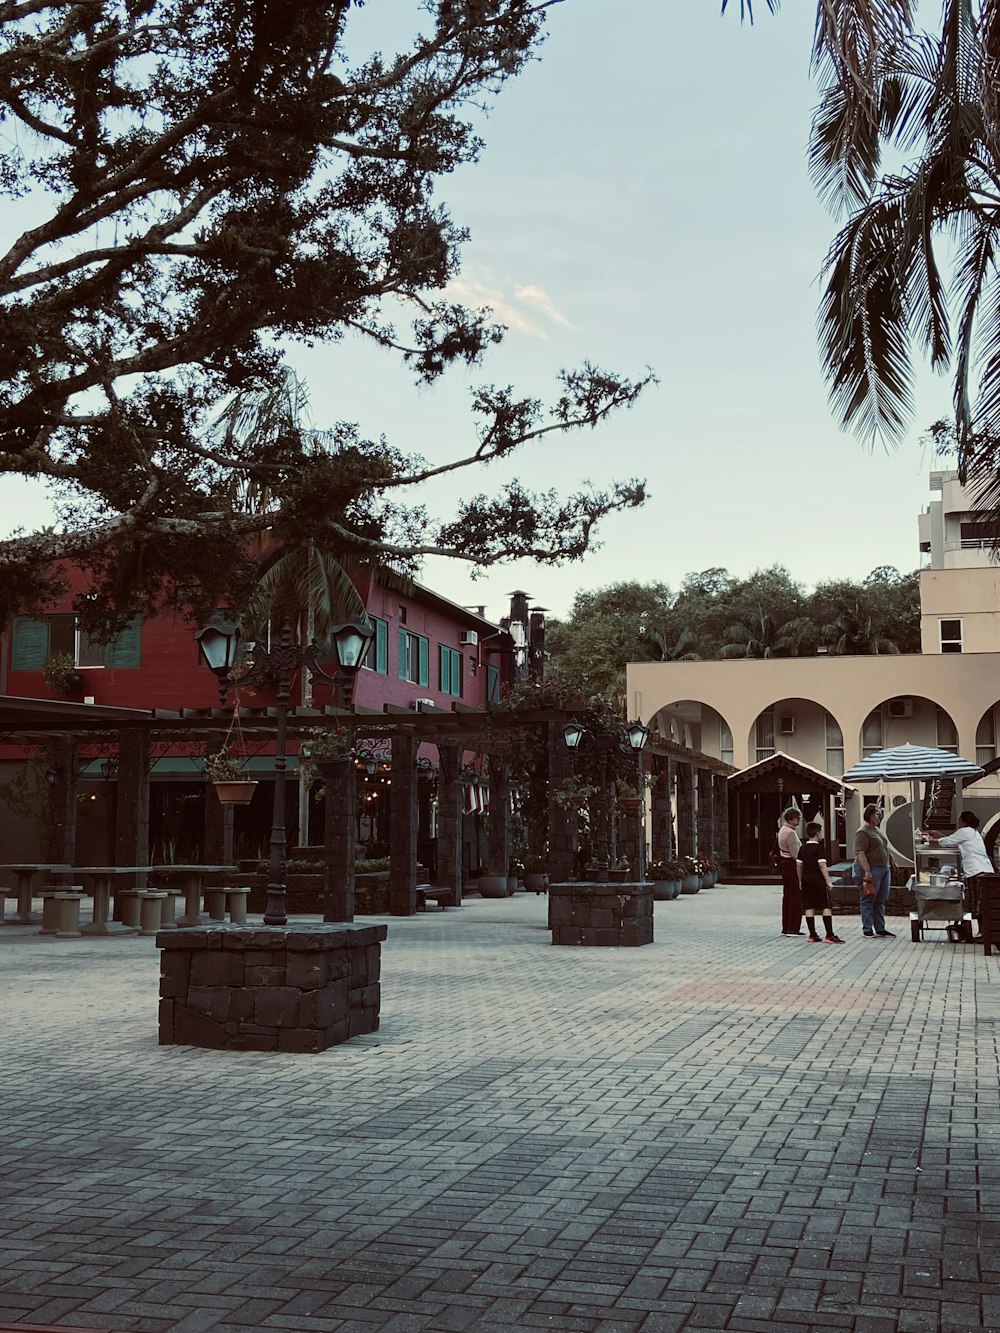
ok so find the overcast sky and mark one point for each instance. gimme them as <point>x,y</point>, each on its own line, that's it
<point>643,198</point>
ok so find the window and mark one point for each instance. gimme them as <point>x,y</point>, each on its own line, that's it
<point>986,738</point>
<point>765,736</point>
<point>377,657</point>
<point>947,732</point>
<point>492,684</point>
<point>834,747</point>
<point>449,671</point>
<point>871,733</point>
<point>951,636</point>
<point>725,742</point>
<point>37,641</point>
<point>414,652</point>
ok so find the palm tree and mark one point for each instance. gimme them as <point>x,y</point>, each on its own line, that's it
<point>765,637</point>
<point>856,629</point>
<point>298,583</point>
<point>661,650</point>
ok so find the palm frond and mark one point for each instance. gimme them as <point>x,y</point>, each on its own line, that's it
<point>976,261</point>
<point>862,322</point>
<point>746,8</point>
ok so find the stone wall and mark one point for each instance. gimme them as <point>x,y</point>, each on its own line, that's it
<point>269,988</point>
<point>601,914</point>
<point>305,893</point>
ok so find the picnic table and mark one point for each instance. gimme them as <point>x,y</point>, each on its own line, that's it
<point>25,875</point>
<point>192,881</point>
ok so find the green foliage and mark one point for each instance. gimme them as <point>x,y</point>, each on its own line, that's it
<point>714,615</point>
<point>60,674</point>
<point>209,182</point>
<point>225,766</point>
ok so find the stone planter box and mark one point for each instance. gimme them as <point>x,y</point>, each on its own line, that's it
<point>601,914</point>
<point>305,893</point>
<point>298,987</point>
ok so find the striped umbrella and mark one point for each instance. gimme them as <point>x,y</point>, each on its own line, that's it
<point>911,763</point>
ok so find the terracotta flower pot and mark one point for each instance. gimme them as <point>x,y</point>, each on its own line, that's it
<point>234,793</point>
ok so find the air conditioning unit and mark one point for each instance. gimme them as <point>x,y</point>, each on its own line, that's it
<point>468,638</point>
<point>786,725</point>
<point>423,703</point>
<point>901,707</point>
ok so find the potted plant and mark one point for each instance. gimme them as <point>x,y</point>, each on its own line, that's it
<point>327,752</point>
<point>536,871</point>
<point>60,674</point>
<point>620,872</point>
<point>574,793</point>
<point>691,882</point>
<point>665,879</point>
<point>515,869</point>
<point>629,797</point>
<point>224,771</point>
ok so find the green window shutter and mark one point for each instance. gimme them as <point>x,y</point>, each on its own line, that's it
<point>456,675</point>
<point>403,654</point>
<point>493,684</point>
<point>424,654</point>
<point>31,644</point>
<point>444,658</point>
<point>126,649</point>
<point>381,647</point>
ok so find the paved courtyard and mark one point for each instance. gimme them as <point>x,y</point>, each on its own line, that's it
<point>724,1130</point>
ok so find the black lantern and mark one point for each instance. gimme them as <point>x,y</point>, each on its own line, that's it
<point>573,735</point>
<point>638,734</point>
<point>219,643</point>
<point>351,641</point>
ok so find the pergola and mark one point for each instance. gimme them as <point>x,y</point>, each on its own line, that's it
<point>690,785</point>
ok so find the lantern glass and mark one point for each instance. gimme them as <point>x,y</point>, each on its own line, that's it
<point>351,643</point>
<point>638,735</point>
<point>572,735</point>
<point>219,642</point>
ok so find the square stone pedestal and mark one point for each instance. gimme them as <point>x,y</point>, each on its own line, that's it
<point>601,914</point>
<point>298,987</point>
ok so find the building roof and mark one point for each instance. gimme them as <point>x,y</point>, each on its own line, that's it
<point>780,772</point>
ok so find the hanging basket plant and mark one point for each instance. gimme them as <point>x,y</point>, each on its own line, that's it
<point>60,674</point>
<point>224,770</point>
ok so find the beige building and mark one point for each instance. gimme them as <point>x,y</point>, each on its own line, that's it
<point>828,712</point>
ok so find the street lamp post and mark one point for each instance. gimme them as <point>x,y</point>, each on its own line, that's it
<point>573,734</point>
<point>219,643</point>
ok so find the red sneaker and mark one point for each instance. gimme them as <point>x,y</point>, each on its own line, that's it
<point>833,939</point>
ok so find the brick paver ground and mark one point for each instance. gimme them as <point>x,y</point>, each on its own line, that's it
<point>724,1130</point>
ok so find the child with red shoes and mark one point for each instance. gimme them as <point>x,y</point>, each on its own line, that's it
<point>815,883</point>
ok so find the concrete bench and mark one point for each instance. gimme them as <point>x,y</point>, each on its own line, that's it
<point>221,899</point>
<point>61,910</point>
<point>434,893</point>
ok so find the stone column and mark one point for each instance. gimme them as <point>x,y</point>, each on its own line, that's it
<point>661,831</point>
<point>340,799</point>
<point>403,827</point>
<point>721,828</point>
<point>562,823</point>
<point>705,813</point>
<point>218,829</point>
<point>449,821</point>
<point>498,825</point>
<point>686,835</point>
<point>132,815</point>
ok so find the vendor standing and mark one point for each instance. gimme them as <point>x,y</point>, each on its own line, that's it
<point>968,842</point>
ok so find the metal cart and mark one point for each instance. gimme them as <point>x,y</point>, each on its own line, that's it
<point>940,906</point>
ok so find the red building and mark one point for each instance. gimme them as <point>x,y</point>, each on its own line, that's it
<point>425,649</point>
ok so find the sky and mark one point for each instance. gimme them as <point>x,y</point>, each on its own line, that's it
<point>643,199</point>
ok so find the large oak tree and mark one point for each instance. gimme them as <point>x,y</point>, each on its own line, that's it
<point>206,181</point>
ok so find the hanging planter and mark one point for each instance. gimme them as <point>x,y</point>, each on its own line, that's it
<point>235,793</point>
<point>630,804</point>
